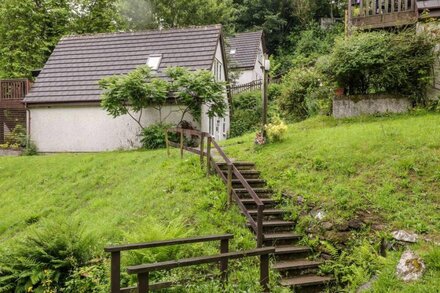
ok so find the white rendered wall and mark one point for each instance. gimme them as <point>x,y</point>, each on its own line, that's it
<point>89,128</point>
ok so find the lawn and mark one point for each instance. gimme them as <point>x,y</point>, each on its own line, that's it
<point>388,167</point>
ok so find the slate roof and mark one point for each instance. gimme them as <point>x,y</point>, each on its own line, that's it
<point>72,72</point>
<point>246,46</point>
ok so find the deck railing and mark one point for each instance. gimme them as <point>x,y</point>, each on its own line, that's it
<point>247,87</point>
<point>381,13</point>
<point>257,225</point>
<point>14,89</point>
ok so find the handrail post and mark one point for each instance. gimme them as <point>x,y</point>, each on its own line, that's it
<point>181,143</point>
<point>224,248</point>
<point>167,143</point>
<point>115,273</point>
<point>260,226</point>
<point>208,157</point>
<point>202,148</point>
<point>229,184</point>
<point>143,286</point>
<point>264,272</point>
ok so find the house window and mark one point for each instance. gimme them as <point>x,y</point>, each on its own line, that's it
<point>211,125</point>
<point>233,51</point>
<point>218,68</point>
<point>153,61</point>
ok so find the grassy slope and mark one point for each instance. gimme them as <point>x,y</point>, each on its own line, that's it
<point>389,166</point>
<point>120,197</point>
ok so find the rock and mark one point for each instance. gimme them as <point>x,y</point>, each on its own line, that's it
<point>337,237</point>
<point>319,214</point>
<point>327,226</point>
<point>367,286</point>
<point>342,227</point>
<point>355,224</point>
<point>300,200</point>
<point>405,236</point>
<point>410,267</point>
<point>326,256</point>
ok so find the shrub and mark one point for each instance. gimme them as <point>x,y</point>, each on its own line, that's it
<point>304,94</point>
<point>247,110</point>
<point>153,136</point>
<point>276,130</point>
<point>44,260</point>
<point>383,62</point>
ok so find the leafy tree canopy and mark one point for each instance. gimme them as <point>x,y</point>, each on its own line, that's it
<point>139,89</point>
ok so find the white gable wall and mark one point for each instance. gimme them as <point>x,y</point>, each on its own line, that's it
<point>249,75</point>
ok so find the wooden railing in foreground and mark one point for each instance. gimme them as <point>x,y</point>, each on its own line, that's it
<point>257,226</point>
<point>142,271</point>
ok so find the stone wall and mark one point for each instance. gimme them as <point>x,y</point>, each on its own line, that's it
<point>352,106</point>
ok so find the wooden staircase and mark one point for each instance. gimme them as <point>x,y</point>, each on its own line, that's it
<point>291,259</point>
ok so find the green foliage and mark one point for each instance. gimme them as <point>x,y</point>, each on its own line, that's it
<point>276,130</point>
<point>176,13</point>
<point>153,136</point>
<point>44,259</point>
<point>91,278</point>
<point>29,30</point>
<point>139,89</point>
<point>17,136</point>
<point>304,93</point>
<point>247,109</point>
<point>377,62</point>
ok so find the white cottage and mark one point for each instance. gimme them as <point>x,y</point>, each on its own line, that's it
<point>64,112</point>
<point>245,52</point>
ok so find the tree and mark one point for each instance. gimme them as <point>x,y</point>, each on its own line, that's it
<point>131,93</point>
<point>30,29</point>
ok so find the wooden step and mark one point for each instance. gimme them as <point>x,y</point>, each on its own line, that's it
<point>245,173</point>
<point>296,264</point>
<point>267,212</point>
<point>291,249</point>
<point>281,236</point>
<point>250,181</point>
<point>238,165</point>
<point>305,281</point>
<point>277,223</point>
<point>238,191</point>
<point>250,201</point>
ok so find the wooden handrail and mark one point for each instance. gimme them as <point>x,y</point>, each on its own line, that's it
<point>144,245</point>
<point>257,226</point>
<point>115,272</point>
<point>144,270</point>
<point>166,265</point>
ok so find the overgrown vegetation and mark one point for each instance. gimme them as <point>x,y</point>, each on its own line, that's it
<point>384,62</point>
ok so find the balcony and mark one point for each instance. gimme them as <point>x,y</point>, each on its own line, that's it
<point>372,14</point>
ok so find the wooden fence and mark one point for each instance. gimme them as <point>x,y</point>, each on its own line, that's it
<point>142,271</point>
<point>12,110</point>
<point>257,226</point>
<point>247,87</point>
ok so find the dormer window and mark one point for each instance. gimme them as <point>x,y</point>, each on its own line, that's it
<point>153,61</point>
<point>233,51</point>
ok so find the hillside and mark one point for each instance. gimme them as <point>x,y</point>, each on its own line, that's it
<point>384,171</point>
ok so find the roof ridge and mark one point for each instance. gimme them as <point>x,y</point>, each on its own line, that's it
<point>80,36</point>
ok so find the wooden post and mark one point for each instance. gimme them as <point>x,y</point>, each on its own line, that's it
<point>224,248</point>
<point>202,148</point>
<point>143,286</point>
<point>208,155</point>
<point>115,273</point>
<point>181,143</point>
<point>167,143</point>
<point>260,226</point>
<point>264,272</point>
<point>264,94</point>
<point>229,185</point>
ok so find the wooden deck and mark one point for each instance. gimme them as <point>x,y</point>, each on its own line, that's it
<point>373,14</point>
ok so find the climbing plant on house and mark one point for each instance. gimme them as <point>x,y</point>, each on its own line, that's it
<point>130,94</point>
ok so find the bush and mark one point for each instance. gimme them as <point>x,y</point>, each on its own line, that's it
<point>247,111</point>
<point>276,130</point>
<point>304,94</point>
<point>383,62</point>
<point>44,260</point>
<point>153,136</point>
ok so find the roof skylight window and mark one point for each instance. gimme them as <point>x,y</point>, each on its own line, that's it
<point>233,51</point>
<point>153,61</point>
